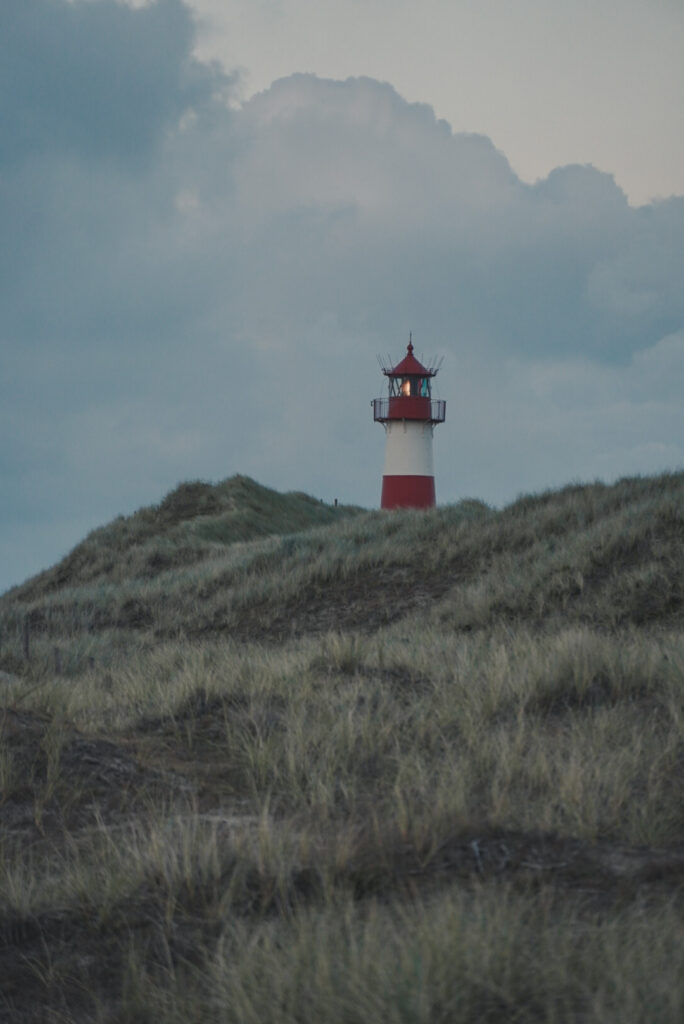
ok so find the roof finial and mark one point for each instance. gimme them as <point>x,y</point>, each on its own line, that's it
<point>410,344</point>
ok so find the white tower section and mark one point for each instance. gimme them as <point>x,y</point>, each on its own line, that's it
<point>408,448</point>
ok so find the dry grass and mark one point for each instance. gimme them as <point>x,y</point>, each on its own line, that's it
<point>418,767</point>
<point>605,557</point>
<point>192,523</point>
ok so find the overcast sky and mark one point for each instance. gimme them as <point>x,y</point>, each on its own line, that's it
<point>209,229</point>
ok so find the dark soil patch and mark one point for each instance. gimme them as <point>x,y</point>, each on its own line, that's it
<point>201,742</point>
<point>61,780</point>
<point>605,868</point>
<point>601,692</point>
<point>363,602</point>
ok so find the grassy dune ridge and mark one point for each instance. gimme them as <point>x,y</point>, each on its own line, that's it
<point>350,765</point>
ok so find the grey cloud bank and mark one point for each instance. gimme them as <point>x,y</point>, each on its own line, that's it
<point>192,288</point>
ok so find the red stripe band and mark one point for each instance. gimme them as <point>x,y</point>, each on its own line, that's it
<point>408,492</point>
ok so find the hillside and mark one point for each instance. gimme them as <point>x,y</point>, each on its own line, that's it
<point>193,522</point>
<point>266,760</point>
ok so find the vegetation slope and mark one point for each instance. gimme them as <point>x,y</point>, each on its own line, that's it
<point>267,760</point>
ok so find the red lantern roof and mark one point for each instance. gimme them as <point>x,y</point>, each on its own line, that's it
<point>409,366</point>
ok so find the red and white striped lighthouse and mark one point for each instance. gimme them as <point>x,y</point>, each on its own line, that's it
<point>409,415</point>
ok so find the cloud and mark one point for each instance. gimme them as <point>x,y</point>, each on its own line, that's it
<point>102,80</point>
<point>191,289</point>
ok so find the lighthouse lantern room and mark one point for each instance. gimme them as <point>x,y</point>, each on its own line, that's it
<point>409,415</point>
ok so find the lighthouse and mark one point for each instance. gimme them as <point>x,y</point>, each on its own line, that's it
<point>409,415</point>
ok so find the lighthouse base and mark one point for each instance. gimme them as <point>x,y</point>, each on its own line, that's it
<point>408,492</point>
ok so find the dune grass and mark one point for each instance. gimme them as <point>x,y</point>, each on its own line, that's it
<point>408,767</point>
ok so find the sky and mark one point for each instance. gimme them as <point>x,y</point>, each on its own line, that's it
<point>214,215</point>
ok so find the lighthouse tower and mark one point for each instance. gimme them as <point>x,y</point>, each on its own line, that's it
<point>408,414</point>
